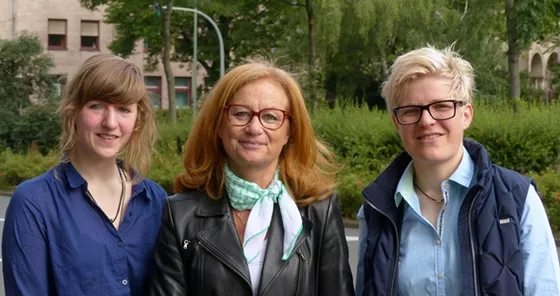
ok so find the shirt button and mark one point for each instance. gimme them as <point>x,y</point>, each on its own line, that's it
<point>440,276</point>
<point>124,282</point>
<point>446,186</point>
<point>130,214</point>
<point>120,244</point>
<point>438,242</point>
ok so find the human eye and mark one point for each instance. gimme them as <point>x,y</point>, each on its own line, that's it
<point>410,111</point>
<point>124,109</point>
<point>442,105</point>
<point>241,114</point>
<point>271,115</point>
<point>95,105</point>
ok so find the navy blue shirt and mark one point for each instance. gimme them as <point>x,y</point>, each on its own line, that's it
<point>56,242</point>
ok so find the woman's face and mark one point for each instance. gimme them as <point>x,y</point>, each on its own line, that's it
<point>104,129</point>
<point>433,141</point>
<point>253,146</point>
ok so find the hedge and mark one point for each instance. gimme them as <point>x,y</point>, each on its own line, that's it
<point>366,142</point>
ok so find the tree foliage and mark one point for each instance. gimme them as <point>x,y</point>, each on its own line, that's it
<point>356,40</point>
<point>26,96</point>
<point>24,72</point>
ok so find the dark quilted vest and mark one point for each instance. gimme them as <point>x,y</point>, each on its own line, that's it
<point>493,207</point>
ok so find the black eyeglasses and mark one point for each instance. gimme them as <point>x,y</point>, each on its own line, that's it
<point>439,110</point>
<point>270,118</point>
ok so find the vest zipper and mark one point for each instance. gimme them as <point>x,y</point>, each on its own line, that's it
<point>473,253</point>
<point>300,270</point>
<point>395,265</point>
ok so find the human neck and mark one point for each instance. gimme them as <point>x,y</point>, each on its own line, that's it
<point>260,176</point>
<point>429,176</point>
<point>94,170</point>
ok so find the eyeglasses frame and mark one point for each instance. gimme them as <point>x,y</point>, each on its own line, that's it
<point>258,115</point>
<point>427,108</point>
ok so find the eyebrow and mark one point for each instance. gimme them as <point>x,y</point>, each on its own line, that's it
<point>430,102</point>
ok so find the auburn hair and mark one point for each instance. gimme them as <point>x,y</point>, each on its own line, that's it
<point>307,166</point>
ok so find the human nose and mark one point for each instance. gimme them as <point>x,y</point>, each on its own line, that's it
<point>426,119</point>
<point>254,126</point>
<point>110,118</point>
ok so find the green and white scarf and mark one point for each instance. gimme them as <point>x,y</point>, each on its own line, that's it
<point>245,195</point>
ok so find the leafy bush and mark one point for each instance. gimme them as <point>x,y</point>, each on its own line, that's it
<point>37,126</point>
<point>16,168</point>
<point>364,141</point>
<point>548,184</point>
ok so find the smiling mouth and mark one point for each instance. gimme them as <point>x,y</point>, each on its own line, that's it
<point>429,137</point>
<point>107,137</point>
<point>251,145</point>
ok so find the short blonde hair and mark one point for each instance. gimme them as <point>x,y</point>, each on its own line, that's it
<point>307,166</point>
<point>429,61</point>
<point>109,78</point>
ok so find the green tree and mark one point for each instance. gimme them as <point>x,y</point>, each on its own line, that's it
<point>375,32</point>
<point>24,72</point>
<point>26,96</point>
<point>249,28</point>
<point>527,21</point>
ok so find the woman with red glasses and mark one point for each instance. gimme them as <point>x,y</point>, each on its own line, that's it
<point>255,212</point>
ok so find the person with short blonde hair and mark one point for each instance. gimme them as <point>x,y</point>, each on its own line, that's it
<point>87,226</point>
<point>255,206</point>
<point>442,219</point>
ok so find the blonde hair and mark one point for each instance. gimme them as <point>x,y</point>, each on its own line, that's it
<point>108,78</point>
<point>307,166</point>
<point>429,61</point>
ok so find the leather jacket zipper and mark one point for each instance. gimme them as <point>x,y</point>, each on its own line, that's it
<point>395,265</point>
<point>300,270</point>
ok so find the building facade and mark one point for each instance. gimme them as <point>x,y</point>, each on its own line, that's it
<point>71,34</point>
<point>537,61</point>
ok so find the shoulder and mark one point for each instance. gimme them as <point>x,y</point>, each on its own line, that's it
<point>190,196</point>
<point>512,180</point>
<point>36,193</point>
<point>322,208</point>
<point>154,189</point>
<point>40,185</point>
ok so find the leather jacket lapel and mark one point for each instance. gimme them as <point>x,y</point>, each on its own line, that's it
<point>273,262</point>
<point>221,240</point>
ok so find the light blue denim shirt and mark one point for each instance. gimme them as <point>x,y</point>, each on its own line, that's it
<point>429,259</point>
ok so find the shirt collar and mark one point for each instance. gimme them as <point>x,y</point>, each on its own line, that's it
<point>463,176</point>
<point>76,180</point>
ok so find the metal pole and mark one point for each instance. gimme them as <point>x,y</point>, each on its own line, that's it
<point>14,14</point>
<point>194,70</point>
<point>211,21</point>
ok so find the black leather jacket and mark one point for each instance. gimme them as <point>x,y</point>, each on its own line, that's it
<point>198,252</point>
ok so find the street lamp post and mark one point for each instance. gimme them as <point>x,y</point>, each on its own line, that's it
<point>220,39</point>
<point>211,21</point>
<point>157,9</point>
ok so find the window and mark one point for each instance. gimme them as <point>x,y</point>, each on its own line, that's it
<point>153,84</point>
<point>146,46</point>
<point>182,91</point>
<point>89,39</point>
<point>57,34</point>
